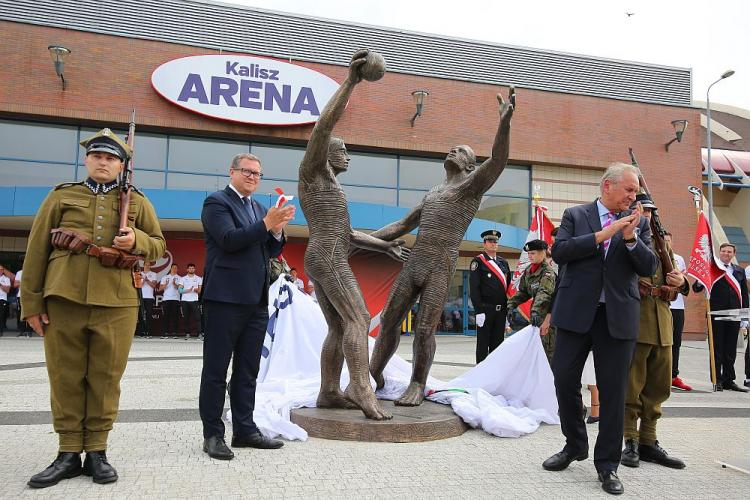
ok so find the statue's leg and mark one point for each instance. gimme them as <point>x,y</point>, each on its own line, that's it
<point>400,300</point>
<point>345,297</point>
<point>331,357</point>
<point>431,305</point>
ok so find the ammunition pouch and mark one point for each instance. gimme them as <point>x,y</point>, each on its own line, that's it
<point>67,239</point>
<point>665,292</point>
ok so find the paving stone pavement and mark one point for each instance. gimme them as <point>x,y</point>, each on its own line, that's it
<point>162,458</point>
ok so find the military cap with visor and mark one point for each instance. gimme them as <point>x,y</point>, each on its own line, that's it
<point>645,201</point>
<point>106,141</point>
<point>491,235</point>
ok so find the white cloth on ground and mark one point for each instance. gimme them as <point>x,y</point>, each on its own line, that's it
<point>509,394</point>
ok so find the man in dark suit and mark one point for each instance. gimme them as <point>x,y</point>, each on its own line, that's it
<point>601,248</point>
<point>240,238</point>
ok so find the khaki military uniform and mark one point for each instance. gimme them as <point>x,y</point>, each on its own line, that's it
<point>540,287</point>
<point>92,309</point>
<point>650,375</point>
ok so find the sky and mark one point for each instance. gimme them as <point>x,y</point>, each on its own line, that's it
<point>710,37</point>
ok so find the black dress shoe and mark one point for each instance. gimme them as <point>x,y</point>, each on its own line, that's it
<point>65,466</point>
<point>98,467</point>
<point>256,440</point>
<point>731,386</point>
<point>611,483</point>
<point>658,455</point>
<point>217,448</point>
<point>630,456</point>
<point>560,461</point>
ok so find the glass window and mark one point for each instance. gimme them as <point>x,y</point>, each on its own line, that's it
<point>203,155</point>
<point>410,199</point>
<point>371,170</point>
<point>148,179</point>
<point>279,162</point>
<point>25,173</point>
<point>381,196</point>
<point>30,141</point>
<point>511,211</point>
<point>420,173</point>
<point>514,181</point>
<point>150,151</point>
<point>196,182</point>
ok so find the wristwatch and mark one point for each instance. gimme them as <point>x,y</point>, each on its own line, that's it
<point>631,240</point>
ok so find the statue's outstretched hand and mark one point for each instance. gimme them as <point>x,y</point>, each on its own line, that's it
<point>397,250</point>
<point>358,59</point>
<point>507,107</point>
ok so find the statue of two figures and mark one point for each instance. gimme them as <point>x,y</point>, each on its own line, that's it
<point>442,218</point>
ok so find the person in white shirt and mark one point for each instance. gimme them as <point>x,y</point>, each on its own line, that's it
<point>150,284</point>
<point>5,284</point>
<point>170,285</point>
<point>190,288</point>
<point>24,330</point>
<point>677,307</point>
<point>296,280</point>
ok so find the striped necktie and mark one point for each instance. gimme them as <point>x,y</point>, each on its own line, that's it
<point>607,222</point>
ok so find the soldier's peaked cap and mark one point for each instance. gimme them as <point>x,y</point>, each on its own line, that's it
<point>492,235</point>
<point>535,245</point>
<point>645,201</point>
<point>107,141</point>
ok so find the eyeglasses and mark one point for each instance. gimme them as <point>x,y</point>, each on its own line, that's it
<point>246,172</point>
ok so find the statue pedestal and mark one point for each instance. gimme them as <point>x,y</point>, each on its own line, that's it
<point>428,422</point>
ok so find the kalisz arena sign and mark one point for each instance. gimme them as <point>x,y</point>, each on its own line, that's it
<point>245,89</point>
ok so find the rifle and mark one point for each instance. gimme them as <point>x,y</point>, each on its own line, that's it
<point>657,229</point>
<point>126,187</point>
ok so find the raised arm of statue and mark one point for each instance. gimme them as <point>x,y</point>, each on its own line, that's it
<point>488,172</point>
<point>316,154</point>
<point>400,227</point>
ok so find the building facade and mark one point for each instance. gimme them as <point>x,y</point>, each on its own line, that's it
<point>575,115</point>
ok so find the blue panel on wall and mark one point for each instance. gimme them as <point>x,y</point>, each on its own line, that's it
<point>176,204</point>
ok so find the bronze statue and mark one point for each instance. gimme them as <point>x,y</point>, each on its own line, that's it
<point>443,216</point>
<point>326,259</point>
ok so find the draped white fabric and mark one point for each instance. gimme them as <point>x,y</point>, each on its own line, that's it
<point>509,394</point>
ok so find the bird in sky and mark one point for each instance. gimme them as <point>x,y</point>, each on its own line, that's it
<point>630,14</point>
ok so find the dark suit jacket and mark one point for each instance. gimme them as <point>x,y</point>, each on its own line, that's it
<point>723,295</point>
<point>584,272</point>
<point>237,251</point>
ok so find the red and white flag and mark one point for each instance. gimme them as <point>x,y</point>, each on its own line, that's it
<point>283,198</point>
<point>540,229</point>
<point>704,266</point>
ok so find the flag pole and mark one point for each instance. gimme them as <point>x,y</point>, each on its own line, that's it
<point>697,199</point>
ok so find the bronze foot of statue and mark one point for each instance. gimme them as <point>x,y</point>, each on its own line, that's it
<point>334,399</point>
<point>412,396</point>
<point>366,401</point>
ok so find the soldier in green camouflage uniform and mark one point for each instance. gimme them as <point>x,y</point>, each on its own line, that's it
<point>537,283</point>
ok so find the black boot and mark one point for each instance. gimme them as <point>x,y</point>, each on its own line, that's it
<point>658,455</point>
<point>630,456</point>
<point>97,466</point>
<point>65,466</point>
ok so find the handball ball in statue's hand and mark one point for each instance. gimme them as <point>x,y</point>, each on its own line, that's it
<point>374,67</point>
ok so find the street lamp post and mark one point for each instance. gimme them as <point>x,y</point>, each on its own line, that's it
<point>726,74</point>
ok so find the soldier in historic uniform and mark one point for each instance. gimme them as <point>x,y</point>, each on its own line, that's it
<point>537,283</point>
<point>488,281</point>
<point>650,374</point>
<point>78,293</point>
